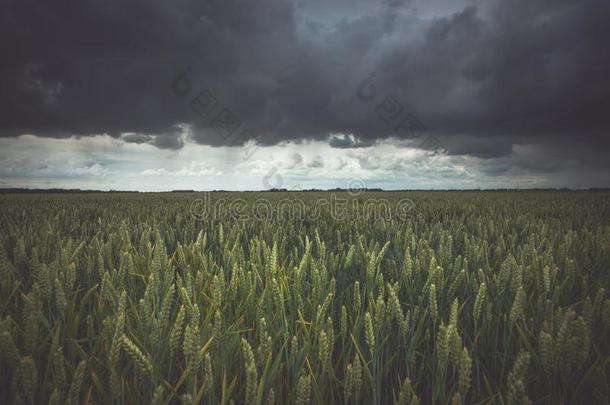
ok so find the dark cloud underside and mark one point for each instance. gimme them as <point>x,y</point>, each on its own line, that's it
<point>513,72</point>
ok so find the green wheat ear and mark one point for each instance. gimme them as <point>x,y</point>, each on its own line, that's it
<point>8,350</point>
<point>27,376</point>
<point>479,302</point>
<point>453,318</point>
<point>432,305</point>
<point>464,373</point>
<point>547,351</point>
<point>357,298</point>
<point>190,346</point>
<point>442,346</point>
<point>343,323</point>
<point>58,369</point>
<point>208,376</point>
<point>407,395</point>
<point>348,386</point>
<point>55,398</point>
<point>77,383</point>
<point>141,361</point>
<point>516,311</point>
<point>158,396</point>
<point>303,390</point>
<point>455,344</point>
<point>516,380</point>
<point>251,372</point>
<point>369,332</point>
<point>176,332</point>
<point>324,350</point>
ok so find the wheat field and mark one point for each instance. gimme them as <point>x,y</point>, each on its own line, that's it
<point>471,298</point>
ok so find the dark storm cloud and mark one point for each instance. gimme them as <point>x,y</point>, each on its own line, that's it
<point>489,147</point>
<point>169,140</point>
<point>520,72</point>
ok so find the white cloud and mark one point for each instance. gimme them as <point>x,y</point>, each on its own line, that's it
<point>95,169</point>
<point>194,169</point>
<point>102,162</point>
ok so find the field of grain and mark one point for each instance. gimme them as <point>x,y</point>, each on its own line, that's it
<point>464,298</point>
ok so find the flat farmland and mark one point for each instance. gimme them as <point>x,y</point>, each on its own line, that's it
<point>305,297</point>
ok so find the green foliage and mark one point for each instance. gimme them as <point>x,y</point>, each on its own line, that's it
<point>474,298</point>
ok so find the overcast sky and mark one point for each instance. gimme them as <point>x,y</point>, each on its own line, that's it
<point>241,94</point>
